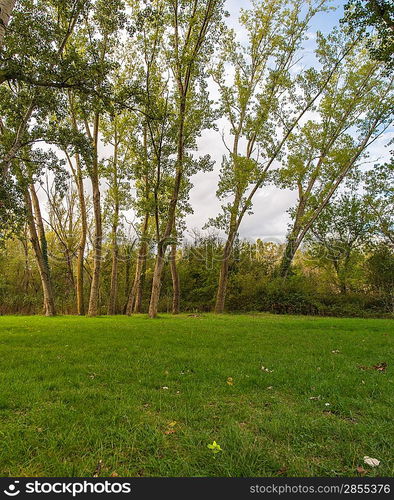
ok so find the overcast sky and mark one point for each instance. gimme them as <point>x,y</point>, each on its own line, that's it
<point>270,219</point>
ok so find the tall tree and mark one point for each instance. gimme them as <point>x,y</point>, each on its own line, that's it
<point>353,112</point>
<point>264,103</point>
<point>193,30</point>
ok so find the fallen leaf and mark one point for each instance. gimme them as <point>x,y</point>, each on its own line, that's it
<point>373,462</point>
<point>172,423</point>
<point>169,431</point>
<point>313,398</point>
<point>282,471</point>
<point>230,381</point>
<point>361,470</point>
<point>380,367</point>
<point>114,474</point>
<point>327,404</point>
<point>165,387</point>
<point>269,387</point>
<point>97,471</point>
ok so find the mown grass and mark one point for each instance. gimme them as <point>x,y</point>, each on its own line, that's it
<point>81,396</point>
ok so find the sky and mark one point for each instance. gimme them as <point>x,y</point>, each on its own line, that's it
<point>270,219</point>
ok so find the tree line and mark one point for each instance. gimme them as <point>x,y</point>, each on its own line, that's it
<point>102,104</point>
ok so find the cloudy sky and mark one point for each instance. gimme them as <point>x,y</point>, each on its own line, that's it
<point>270,219</point>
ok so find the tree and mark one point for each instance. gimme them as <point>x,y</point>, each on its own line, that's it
<point>379,197</point>
<point>34,46</point>
<point>354,111</point>
<point>190,45</point>
<point>116,129</point>
<point>341,230</point>
<point>373,20</point>
<point>263,103</point>
<point>98,43</point>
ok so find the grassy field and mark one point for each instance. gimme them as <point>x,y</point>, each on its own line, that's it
<point>139,397</point>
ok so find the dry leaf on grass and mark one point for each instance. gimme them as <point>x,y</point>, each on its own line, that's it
<point>97,471</point>
<point>282,471</point>
<point>380,367</point>
<point>373,462</point>
<point>230,381</point>
<point>361,470</point>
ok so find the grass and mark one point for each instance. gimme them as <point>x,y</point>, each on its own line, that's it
<point>140,397</point>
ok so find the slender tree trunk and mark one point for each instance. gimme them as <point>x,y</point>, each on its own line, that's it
<point>114,236</point>
<point>176,292</point>
<point>6,8</point>
<point>43,268</point>
<point>127,282</point>
<point>140,289</point>
<point>78,176</point>
<point>165,240</point>
<point>223,276</point>
<point>26,270</point>
<point>134,302</point>
<point>288,254</point>
<point>224,267</point>
<point>156,281</point>
<point>98,236</point>
<point>82,242</point>
<point>114,273</point>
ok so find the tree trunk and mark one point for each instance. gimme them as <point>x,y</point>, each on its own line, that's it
<point>98,233</point>
<point>223,276</point>
<point>156,281</point>
<point>140,289</point>
<point>135,299</point>
<point>288,255</point>
<point>175,281</point>
<point>78,176</point>
<point>224,267</point>
<point>82,242</point>
<point>6,8</point>
<point>114,273</point>
<point>42,263</point>
<point>115,250</point>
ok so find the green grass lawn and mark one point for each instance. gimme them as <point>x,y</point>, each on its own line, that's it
<point>140,397</point>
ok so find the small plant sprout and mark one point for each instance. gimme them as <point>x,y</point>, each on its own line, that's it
<point>215,448</point>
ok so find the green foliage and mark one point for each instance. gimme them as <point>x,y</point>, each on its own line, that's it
<point>374,20</point>
<point>380,266</point>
